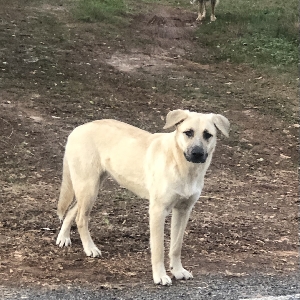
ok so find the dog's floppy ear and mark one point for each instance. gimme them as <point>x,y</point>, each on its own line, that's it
<point>221,123</point>
<point>175,117</point>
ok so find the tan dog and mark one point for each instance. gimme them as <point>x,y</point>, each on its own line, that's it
<point>202,9</point>
<point>166,168</point>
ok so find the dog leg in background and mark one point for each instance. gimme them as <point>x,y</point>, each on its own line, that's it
<point>180,216</point>
<point>214,3</point>
<point>157,214</point>
<point>201,10</point>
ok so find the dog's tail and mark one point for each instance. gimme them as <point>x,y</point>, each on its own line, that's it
<point>66,196</point>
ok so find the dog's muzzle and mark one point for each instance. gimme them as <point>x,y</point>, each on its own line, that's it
<point>196,155</point>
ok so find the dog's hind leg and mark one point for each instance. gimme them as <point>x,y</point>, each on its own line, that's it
<point>63,238</point>
<point>66,197</point>
<point>180,216</point>
<point>86,192</point>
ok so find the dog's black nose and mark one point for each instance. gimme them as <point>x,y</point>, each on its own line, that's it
<point>197,155</point>
<point>197,152</point>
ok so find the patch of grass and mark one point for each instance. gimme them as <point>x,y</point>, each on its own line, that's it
<point>100,10</point>
<point>262,33</point>
<point>113,11</point>
<point>182,3</point>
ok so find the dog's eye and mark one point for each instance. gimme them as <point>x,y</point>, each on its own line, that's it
<point>189,133</point>
<point>206,135</point>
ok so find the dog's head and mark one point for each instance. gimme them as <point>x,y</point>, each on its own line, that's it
<point>196,133</point>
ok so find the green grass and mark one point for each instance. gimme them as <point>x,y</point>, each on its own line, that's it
<point>181,3</point>
<point>110,11</point>
<point>261,33</point>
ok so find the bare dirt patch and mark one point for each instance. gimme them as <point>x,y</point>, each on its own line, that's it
<point>57,73</point>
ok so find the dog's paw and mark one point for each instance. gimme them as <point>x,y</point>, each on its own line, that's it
<point>213,18</point>
<point>63,240</point>
<point>200,17</point>
<point>163,280</point>
<point>181,274</point>
<point>92,251</point>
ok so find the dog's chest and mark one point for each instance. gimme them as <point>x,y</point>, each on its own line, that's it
<point>186,189</point>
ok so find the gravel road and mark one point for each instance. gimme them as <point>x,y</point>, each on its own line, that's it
<point>212,287</point>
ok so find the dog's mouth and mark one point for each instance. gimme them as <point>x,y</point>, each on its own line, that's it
<point>196,157</point>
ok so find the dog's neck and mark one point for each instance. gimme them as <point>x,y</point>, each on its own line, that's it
<point>192,170</point>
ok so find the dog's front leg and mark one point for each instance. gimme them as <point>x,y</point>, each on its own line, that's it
<point>180,216</point>
<point>158,215</point>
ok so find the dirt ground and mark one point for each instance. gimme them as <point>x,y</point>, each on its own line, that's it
<point>57,73</point>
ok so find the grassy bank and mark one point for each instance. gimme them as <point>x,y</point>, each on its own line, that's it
<point>261,33</point>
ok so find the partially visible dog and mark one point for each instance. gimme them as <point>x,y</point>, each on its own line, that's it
<point>202,9</point>
<point>166,168</point>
